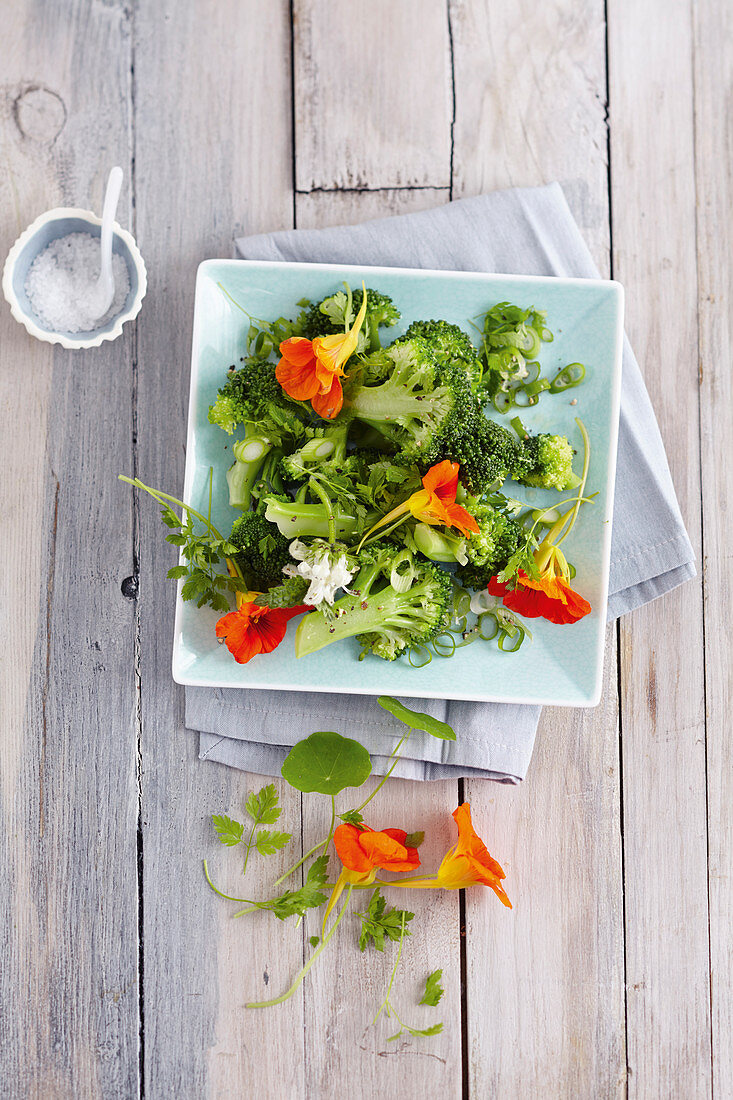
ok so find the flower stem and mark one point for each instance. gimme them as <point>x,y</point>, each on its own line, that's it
<point>300,863</point>
<point>249,848</point>
<point>327,841</point>
<point>228,897</point>
<point>325,500</point>
<point>385,1003</point>
<point>395,753</point>
<point>304,970</point>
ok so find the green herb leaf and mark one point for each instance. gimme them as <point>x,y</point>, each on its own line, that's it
<point>414,840</point>
<point>416,720</point>
<point>351,817</point>
<point>378,922</point>
<point>269,841</point>
<point>433,989</point>
<point>263,807</point>
<point>310,896</point>
<point>426,1031</point>
<point>314,941</point>
<point>229,831</point>
<point>326,763</point>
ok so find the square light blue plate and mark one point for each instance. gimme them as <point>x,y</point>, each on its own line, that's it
<point>563,664</point>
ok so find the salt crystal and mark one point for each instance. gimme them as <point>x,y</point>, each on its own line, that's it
<point>62,278</point>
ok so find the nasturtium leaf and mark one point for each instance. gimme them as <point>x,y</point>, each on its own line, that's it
<point>326,763</point>
<point>416,720</point>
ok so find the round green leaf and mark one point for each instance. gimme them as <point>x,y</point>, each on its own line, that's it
<point>416,720</point>
<point>326,763</point>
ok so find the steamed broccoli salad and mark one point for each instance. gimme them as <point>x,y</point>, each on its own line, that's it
<point>369,485</point>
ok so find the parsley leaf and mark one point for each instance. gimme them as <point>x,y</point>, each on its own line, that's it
<point>229,831</point>
<point>379,922</point>
<point>269,841</point>
<point>263,807</point>
<point>352,817</point>
<point>309,896</point>
<point>433,989</point>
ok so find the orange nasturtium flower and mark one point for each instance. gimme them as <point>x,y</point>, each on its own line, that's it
<point>467,863</point>
<point>435,503</point>
<point>363,850</point>
<point>311,370</point>
<point>253,629</point>
<point>548,597</point>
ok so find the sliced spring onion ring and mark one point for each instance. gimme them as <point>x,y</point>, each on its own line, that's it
<point>567,378</point>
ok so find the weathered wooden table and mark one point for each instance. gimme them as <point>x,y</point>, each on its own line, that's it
<point>121,973</point>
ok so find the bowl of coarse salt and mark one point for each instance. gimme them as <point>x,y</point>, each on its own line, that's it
<point>51,272</point>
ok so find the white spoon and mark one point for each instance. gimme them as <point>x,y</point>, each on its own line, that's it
<point>101,296</point>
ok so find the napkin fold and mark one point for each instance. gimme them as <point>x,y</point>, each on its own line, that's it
<point>527,231</point>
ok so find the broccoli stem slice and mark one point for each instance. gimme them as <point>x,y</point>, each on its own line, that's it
<point>296,519</point>
<point>438,546</point>
<point>250,455</point>
<point>351,615</point>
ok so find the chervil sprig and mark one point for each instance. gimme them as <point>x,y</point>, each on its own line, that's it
<point>203,550</point>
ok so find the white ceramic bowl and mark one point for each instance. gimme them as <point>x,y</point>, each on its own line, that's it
<point>49,227</point>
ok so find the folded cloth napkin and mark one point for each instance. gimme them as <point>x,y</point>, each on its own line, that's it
<point>528,232</point>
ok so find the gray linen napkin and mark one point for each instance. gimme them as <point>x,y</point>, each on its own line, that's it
<point>529,232</point>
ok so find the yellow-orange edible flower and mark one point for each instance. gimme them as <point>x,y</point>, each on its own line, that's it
<point>467,863</point>
<point>311,370</point>
<point>435,503</point>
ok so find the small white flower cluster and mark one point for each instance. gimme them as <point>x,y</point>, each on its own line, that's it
<point>326,569</point>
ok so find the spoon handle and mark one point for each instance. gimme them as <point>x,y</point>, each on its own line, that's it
<point>111,198</point>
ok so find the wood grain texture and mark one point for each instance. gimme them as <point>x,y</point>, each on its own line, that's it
<point>713,73</point>
<point>547,1017</point>
<point>530,104</point>
<point>373,94</point>
<point>213,155</point>
<point>344,993</point>
<point>661,645</point>
<point>319,210</point>
<point>69,1025</point>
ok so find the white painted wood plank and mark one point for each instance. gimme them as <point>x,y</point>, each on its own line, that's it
<point>213,146</point>
<point>545,997</point>
<point>316,211</point>
<point>346,987</point>
<point>345,992</point>
<point>713,71</point>
<point>530,86</point>
<point>663,719</point>
<point>68,984</point>
<point>373,94</point>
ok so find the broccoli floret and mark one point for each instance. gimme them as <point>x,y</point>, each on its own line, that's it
<point>262,551</point>
<point>450,345</point>
<point>483,553</point>
<point>488,453</point>
<point>428,412</point>
<point>385,621</point>
<point>414,406</point>
<point>547,463</point>
<point>332,315</point>
<point>253,396</point>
